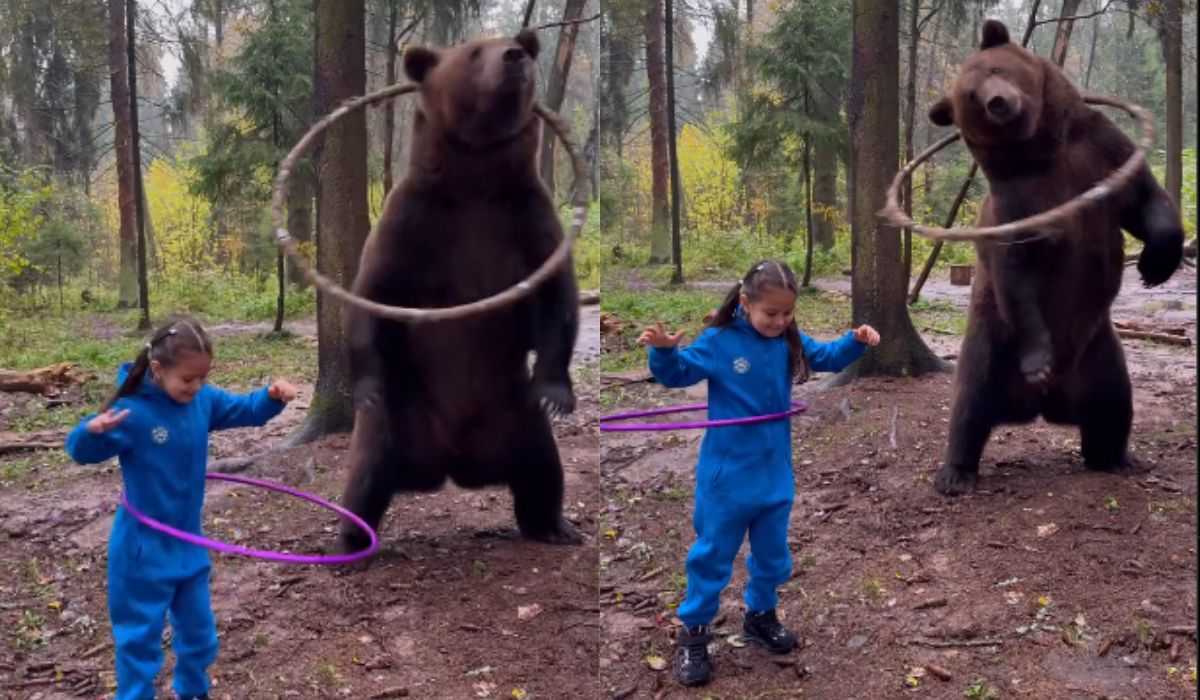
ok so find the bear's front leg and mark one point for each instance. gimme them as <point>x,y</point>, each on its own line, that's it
<point>1151,217</point>
<point>1019,288</point>
<point>556,326</point>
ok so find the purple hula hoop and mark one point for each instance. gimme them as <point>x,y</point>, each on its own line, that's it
<point>797,407</point>
<point>284,557</point>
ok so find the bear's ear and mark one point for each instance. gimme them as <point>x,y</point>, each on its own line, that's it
<point>528,40</point>
<point>418,61</point>
<point>942,112</point>
<point>994,34</point>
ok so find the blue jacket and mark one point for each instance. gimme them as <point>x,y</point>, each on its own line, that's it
<point>163,450</point>
<point>747,376</point>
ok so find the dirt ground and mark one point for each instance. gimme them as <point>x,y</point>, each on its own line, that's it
<point>454,607</point>
<point>1049,582</point>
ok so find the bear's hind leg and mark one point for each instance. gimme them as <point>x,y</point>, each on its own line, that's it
<point>972,416</point>
<point>535,476</point>
<point>1105,405</point>
<point>369,482</point>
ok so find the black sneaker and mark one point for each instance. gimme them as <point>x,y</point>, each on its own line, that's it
<point>764,628</point>
<point>692,666</point>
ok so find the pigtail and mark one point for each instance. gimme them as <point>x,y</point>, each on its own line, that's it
<point>724,314</point>
<point>798,367</point>
<point>132,380</point>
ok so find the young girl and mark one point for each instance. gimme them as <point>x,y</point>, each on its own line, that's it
<point>157,424</point>
<point>749,354</point>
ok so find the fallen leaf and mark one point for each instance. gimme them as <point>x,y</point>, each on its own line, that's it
<point>484,689</point>
<point>735,640</point>
<point>1047,530</point>
<point>528,612</point>
<point>656,662</point>
<point>519,693</point>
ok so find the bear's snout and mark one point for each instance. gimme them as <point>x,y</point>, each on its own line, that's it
<point>1000,101</point>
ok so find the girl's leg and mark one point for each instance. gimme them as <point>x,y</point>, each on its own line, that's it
<point>719,534</point>
<point>770,561</point>
<point>137,609</point>
<point>195,635</point>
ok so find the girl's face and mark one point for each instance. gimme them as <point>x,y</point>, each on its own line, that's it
<point>183,380</point>
<point>771,314</point>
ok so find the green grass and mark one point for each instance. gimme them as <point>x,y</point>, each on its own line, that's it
<point>242,361</point>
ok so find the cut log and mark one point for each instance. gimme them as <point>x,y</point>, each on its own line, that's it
<point>40,440</point>
<point>47,381</point>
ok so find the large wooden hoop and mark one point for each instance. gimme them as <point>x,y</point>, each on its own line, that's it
<point>893,214</point>
<point>401,313</point>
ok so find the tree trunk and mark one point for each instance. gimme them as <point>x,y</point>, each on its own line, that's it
<point>118,68</point>
<point>299,217</point>
<point>340,73</point>
<point>136,159</point>
<point>672,151</point>
<point>1173,36</point>
<point>878,279</point>
<point>556,86</point>
<point>1062,37</point>
<point>389,107</point>
<point>660,233</point>
<point>1087,76</point>
<point>910,110</point>
<point>808,208</point>
<point>824,107</point>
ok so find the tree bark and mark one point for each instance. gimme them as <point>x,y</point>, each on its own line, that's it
<point>660,233</point>
<point>1062,37</point>
<point>136,160</point>
<point>672,150</point>
<point>1173,36</point>
<point>878,279</point>
<point>118,68</point>
<point>823,103</point>
<point>556,85</point>
<point>1087,76</point>
<point>340,73</point>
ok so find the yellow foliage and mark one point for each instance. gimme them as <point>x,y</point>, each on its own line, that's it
<point>710,181</point>
<point>180,219</point>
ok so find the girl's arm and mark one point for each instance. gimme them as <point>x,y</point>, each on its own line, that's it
<point>674,367</point>
<point>834,355</point>
<point>86,447</point>
<point>231,410</point>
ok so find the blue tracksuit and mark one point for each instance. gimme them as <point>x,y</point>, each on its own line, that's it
<point>163,451</point>
<point>744,477</point>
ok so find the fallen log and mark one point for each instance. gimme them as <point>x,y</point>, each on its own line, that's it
<point>1157,337</point>
<point>1135,326</point>
<point>46,381</point>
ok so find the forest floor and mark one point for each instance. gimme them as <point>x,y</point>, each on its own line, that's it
<point>455,606</point>
<point>1048,582</point>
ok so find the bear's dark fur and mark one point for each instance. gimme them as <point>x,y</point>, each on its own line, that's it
<point>470,218</point>
<point>1039,338</point>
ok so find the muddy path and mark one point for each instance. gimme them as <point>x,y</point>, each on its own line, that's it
<point>455,606</point>
<point>1049,582</point>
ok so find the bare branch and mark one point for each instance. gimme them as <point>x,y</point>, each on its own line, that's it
<point>568,22</point>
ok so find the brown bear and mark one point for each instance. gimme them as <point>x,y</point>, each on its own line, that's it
<point>1039,339</point>
<point>471,218</point>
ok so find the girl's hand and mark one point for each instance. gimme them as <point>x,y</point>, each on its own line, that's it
<point>107,421</point>
<point>656,336</point>
<point>281,390</point>
<point>866,335</point>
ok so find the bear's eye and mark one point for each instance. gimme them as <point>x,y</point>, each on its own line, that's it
<point>995,70</point>
<point>475,53</point>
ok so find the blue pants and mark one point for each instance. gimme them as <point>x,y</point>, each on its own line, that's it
<point>722,522</point>
<point>137,606</point>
